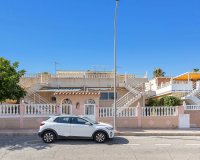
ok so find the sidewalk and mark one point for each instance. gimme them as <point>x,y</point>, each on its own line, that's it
<point>18,132</point>
<point>158,132</point>
<point>120,132</point>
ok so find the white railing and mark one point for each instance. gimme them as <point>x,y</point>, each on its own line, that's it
<point>34,97</point>
<point>31,75</point>
<point>192,107</point>
<point>109,112</point>
<point>159,111</point>
<point>194,92</point>
<point>9,109</point>
<point>135,93</point>
<point>40,109</point>
<point>84,75</point>
<point>194,96</point>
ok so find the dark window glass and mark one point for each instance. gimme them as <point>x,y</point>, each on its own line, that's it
<point>53,99</point>
<point>111,95</point>
<point>76,120</point>
<point>62,120</point>
<point>104,96</point>
<point>107,96</point>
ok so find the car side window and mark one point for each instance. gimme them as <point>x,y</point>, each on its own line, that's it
<point>62,120</point>
<point>76,120</point>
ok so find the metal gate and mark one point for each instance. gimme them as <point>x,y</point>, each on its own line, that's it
<point>184,120</point>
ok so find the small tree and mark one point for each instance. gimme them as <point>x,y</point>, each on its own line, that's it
<point>158,72</point>
<point>9,81</point>
<point>169,101</point>
<point>196,70</point>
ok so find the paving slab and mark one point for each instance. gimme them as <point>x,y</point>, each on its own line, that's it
<point>157,132</point>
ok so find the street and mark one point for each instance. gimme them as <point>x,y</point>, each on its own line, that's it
<point>133,148</point>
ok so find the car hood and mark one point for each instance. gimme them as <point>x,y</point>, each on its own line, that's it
<point>104,124</point>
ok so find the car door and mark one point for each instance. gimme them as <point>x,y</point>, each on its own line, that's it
<point>62,126</point>
<point>81,127</point>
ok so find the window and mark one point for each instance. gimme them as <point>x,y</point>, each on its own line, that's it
<point>107,96</point>
<point>104,96</point>
<point>111,95</point>
<point>53,99</point>
<point>76,120</point>
<point>62,120</point>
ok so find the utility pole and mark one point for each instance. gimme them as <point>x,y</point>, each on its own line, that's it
<point>115,63</point>
<point>55,65</point>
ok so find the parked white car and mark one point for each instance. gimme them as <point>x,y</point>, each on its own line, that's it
<point>74,126</point>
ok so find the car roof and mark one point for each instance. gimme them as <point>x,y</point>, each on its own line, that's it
<point>66,115</point>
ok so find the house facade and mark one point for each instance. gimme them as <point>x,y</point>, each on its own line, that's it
<point>91,94</point>
<point>77,92</point>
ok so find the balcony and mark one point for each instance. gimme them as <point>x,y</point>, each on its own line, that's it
<point>174,86</point>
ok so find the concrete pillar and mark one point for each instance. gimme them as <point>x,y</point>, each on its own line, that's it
<point>22,112</point>
<point>139,115</point>
<point>97,112</point>
<point>58,105</point>
<point>181,110</point>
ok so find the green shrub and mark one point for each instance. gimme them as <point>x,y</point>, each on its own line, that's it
<point>153,102</point>
<point>169,101</point>
<point>165,101</point>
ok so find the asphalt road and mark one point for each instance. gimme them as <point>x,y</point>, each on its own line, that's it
<point>120,148</point>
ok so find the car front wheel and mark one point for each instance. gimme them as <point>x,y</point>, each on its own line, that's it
<point>100,137</point>
<point>48,137</point>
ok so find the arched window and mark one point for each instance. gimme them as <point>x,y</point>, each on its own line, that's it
<point>89,101</point>
<point>66,101</point>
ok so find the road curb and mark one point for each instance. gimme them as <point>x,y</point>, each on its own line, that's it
<point>154,134</point>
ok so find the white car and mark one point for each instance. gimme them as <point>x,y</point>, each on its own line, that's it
<point>74,126</point>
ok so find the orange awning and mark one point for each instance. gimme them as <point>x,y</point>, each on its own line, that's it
<point>188,76</point>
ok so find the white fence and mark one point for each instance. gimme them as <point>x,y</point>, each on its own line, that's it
<point>159,111</point>
<point>9,109</point>
<point>40,109</point>
<point>125,112</point>
<point>192,107</point>
<point>51,109</point>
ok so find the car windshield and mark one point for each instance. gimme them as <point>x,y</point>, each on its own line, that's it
<point>50,119</point>
<point>94,122</point>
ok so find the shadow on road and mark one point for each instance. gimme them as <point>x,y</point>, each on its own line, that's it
<point>115,140</point>
<point>13,143</point>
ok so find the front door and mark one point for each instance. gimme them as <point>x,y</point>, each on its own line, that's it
<point>62,126</point>
<point>81,128</point>
<point>90,111</point>
<point>66,109</point>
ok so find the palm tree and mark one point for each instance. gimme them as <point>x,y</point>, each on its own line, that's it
<point>196,70</point>
<point>158,72</point>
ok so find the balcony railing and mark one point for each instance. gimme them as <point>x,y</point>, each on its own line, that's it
<point>159,111</point>
<point>109,112</point>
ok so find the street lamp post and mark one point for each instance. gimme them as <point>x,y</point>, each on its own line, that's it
<point>115,68</point>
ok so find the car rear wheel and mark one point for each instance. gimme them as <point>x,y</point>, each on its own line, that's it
<point>100,137</point>
<point>48,137</point>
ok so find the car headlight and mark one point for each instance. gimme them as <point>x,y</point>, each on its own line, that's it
<point>109,128</point>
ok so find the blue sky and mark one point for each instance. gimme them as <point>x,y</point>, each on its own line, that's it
<point>79,34</point>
